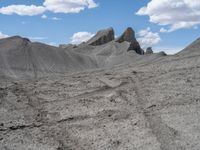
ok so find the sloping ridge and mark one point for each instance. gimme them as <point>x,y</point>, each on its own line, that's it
<point>21,58</point>
<point>192,49</point>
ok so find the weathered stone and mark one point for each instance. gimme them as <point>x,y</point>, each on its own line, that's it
<point>149,50</point>
<point>102,37</point>
<point>129,36</point>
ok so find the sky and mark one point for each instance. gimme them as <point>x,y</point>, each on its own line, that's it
<point>165,25</point>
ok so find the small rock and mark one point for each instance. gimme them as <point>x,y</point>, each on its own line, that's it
<point>149,50</point>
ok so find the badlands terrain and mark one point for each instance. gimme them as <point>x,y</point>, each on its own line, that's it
<point>105,94</point>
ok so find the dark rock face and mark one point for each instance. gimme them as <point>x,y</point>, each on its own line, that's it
<point>149,50</point>
<point>102,37</point>
<point>129,36</point>
<point>134,45</point>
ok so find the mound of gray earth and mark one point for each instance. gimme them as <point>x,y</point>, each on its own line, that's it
<point>20,58</point>
<point>192,49</point>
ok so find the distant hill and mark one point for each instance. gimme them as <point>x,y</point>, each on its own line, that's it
<point>192,49</point>
<point>21,58</point>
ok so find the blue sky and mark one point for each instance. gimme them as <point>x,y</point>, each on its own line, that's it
<point>57,25</point>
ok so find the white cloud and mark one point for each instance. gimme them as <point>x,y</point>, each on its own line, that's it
<point>3,35</point>
<point>56,18</point>
<point>53,18</point>
<point>177,14</point>
<point>55,6</point>
<point>68,6</point>
<point>44,16</point>
<point>163,30</point>
<point>147,38</point>
<point>22,10</point>
<point>80,37</point>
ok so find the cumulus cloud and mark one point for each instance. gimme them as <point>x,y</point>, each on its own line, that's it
<point>148,38</point>
<point>163,30</point>
<point>22,10</point>
<point>175,14</point>
<point>80,37</point>
<point>3,35</point>
<point>68,6</point>
<point>55,6</point>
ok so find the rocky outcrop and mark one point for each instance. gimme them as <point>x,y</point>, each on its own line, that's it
<point>149,50</point>
<point>129,36</point>
<point>102,37</point>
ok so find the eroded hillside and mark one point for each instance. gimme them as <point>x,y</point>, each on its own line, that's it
<point>152,106</point>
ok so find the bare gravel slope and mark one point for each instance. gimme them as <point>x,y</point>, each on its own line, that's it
<point>149,105</point>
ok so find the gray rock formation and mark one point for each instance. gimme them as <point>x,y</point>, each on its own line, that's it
<point>102,37</point>
<point>149,50</point>
<point>129,36</point>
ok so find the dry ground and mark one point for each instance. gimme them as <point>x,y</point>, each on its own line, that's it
<point>129,107</point>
